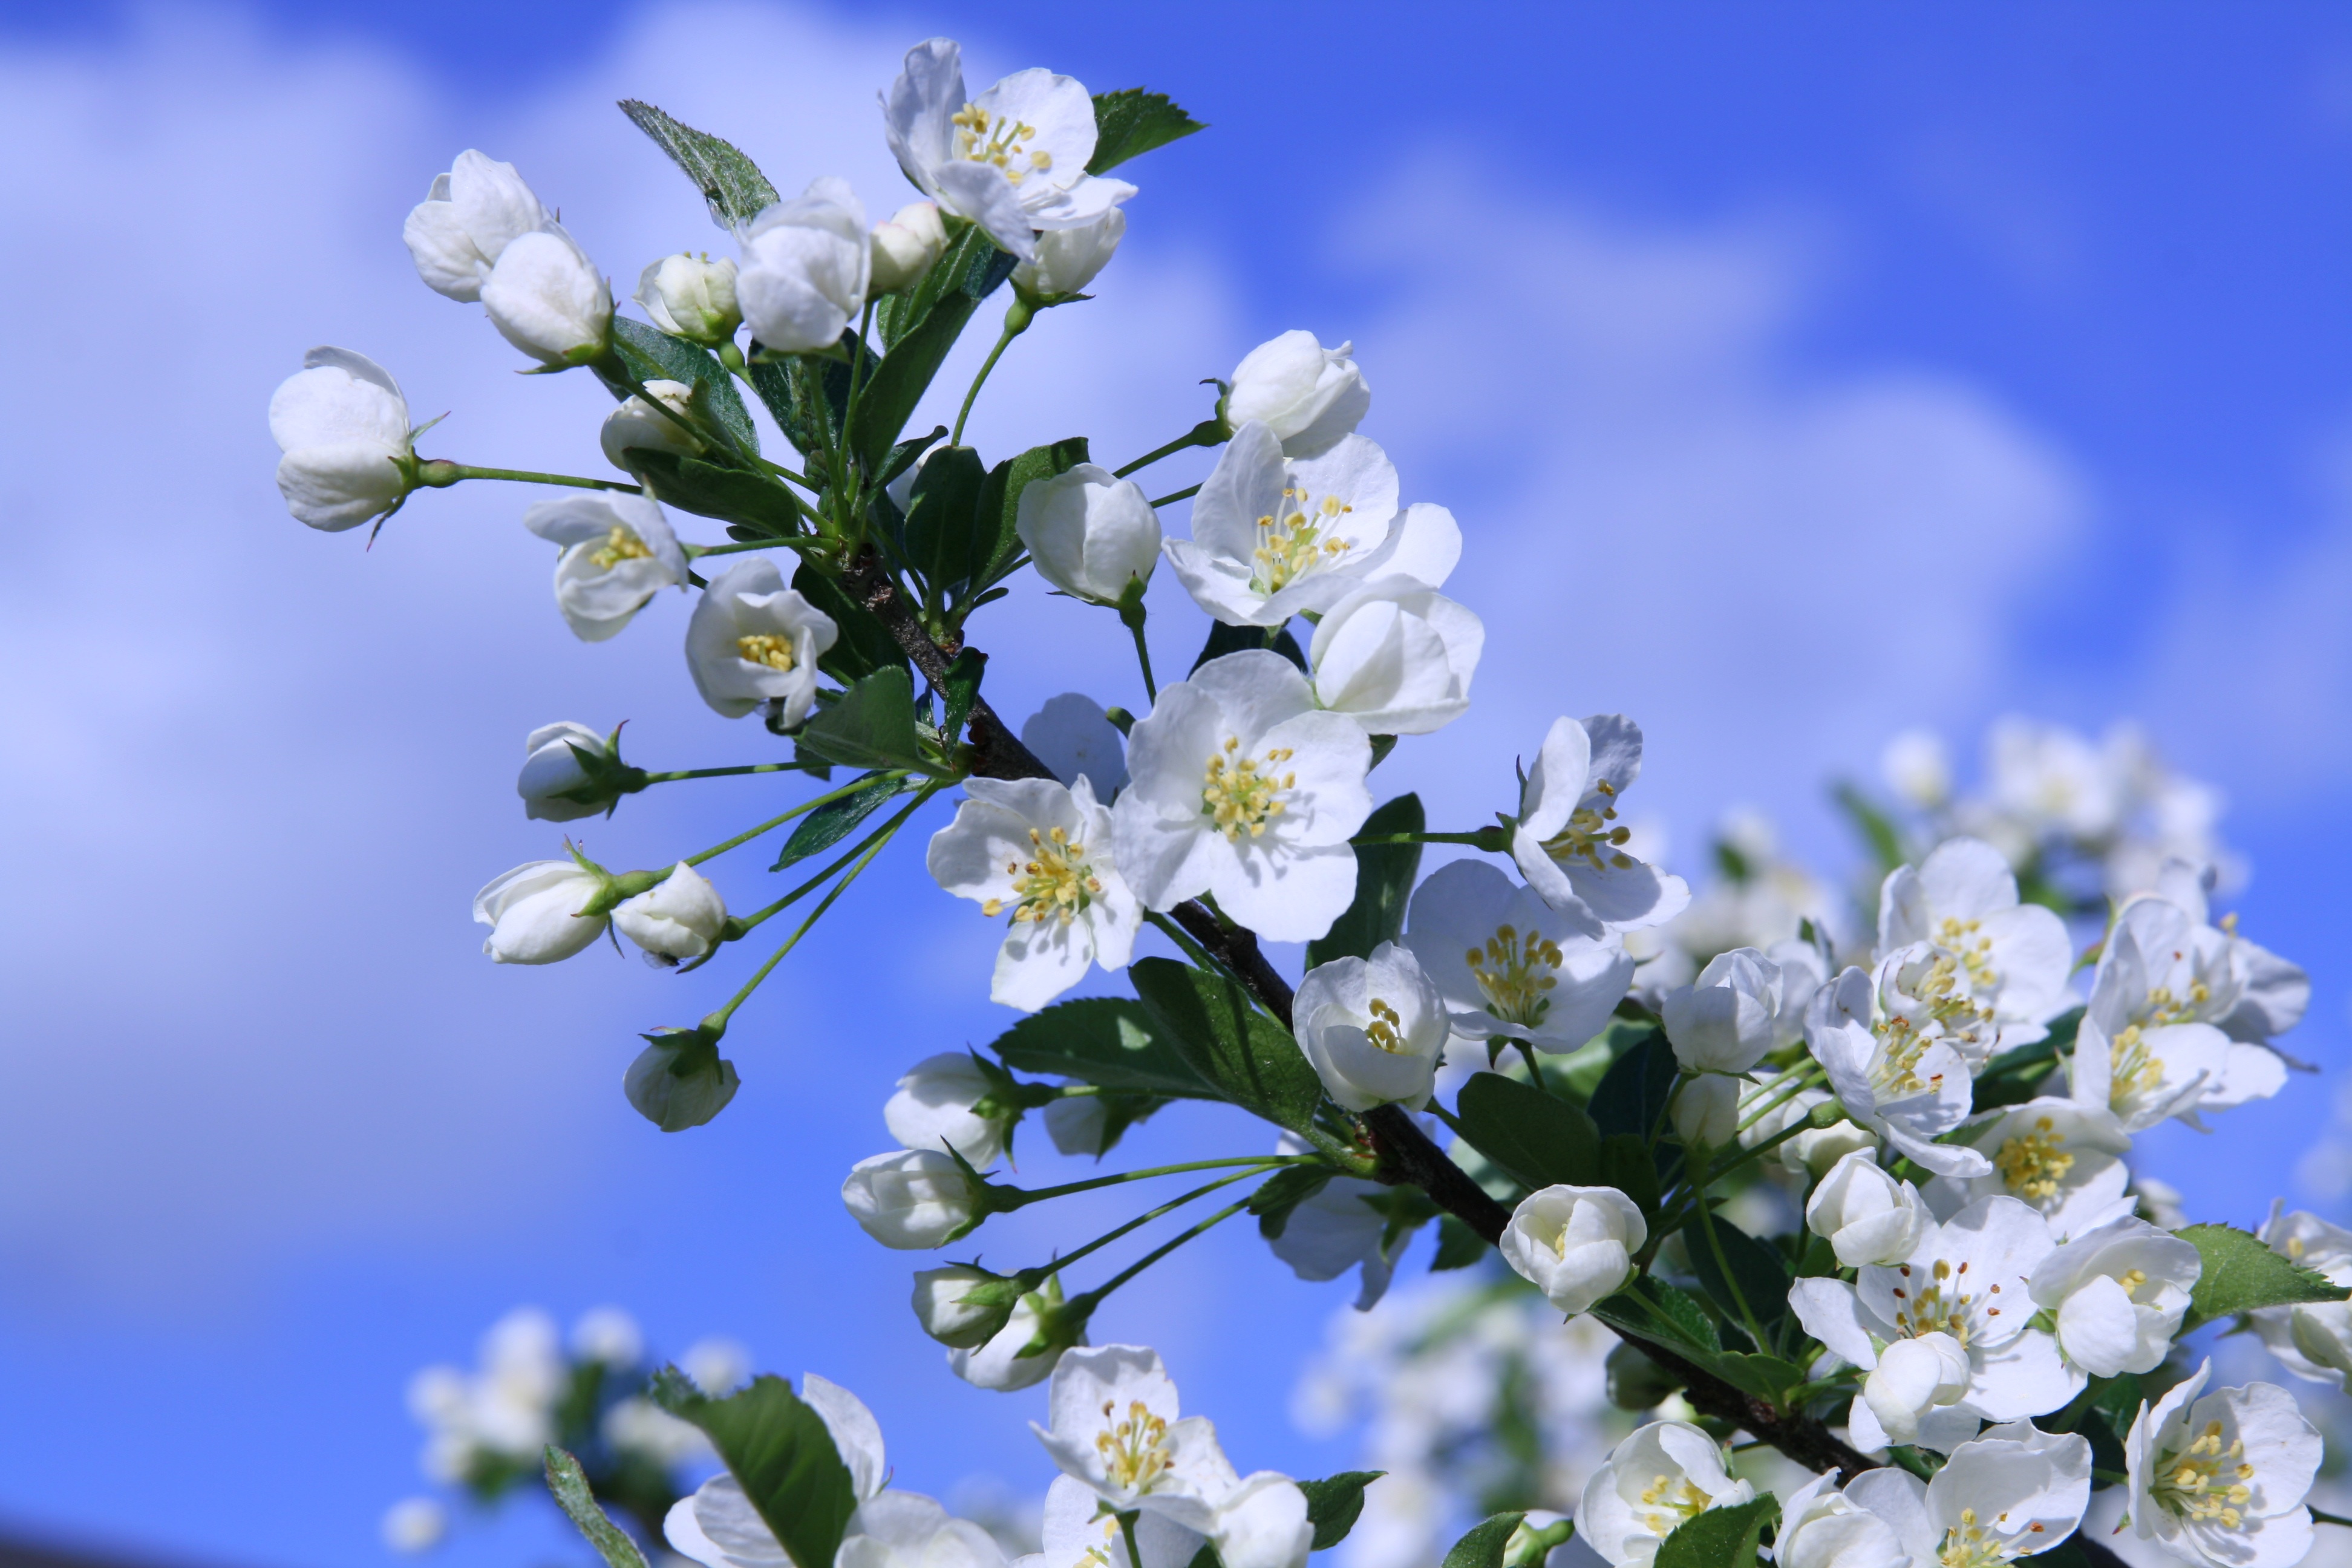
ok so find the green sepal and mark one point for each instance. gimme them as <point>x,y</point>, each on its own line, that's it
<point>780,1452</point>
<point>1385,876</point>
<point>1247,1057</point>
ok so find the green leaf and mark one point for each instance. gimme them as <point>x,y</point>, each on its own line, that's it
<point>830,823</point>
<point>1539,1138</point>
<point>1482,1547</point>
<point>1245,1056</point>
<point>1458,1246</point>
<point>960,685</point>
<point>569,1485</point>
<point>1384,874</point>
<point>1755,1274</point>
<point>738,495</point>
<point>1000,499</point>
<point>1719,1537</point>
<point>872,725</point>
<point>1105,1040</point>
<point>1131,123</point>
<point>808,396</point>
<point>864,646</point>
<point>1766,1376</point>
<point>1632,1096</point>
<point>780,1452</point>
<point>1333,1504</point>
<point>2241,1275</point>
<point>903,454</point>
<point>652,355</point>
<point>943,532</point>
<point>1224,639</point>
<point>729,182</point>
<point>1627,1165</point>
<point>1650,1308</point>
<point>967,274</point>
<point>971,266</point>
<point>1283,1191</point>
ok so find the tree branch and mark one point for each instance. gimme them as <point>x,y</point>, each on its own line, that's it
<point>996,751</point>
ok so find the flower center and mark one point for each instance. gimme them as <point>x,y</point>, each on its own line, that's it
<point>1946,1003</point>
<point>621,545</point>
<point>1894,1072</point>
<point>1514,974</point>
<point>1292,540</point>
<point>2136,1069</point>
<point>1941,1307</point>
<point>2034,1163</point>
<point>1057,885</point>
<point>1969,1544</point>
<point>2207,1481</point>
<point>1588,835</point>
<point>1135,1451</point>
<point>998,141</point>
<point>1955,936</point>
<point>1386,1029</point>
<point>1670,1501</point>
<point>2164,1008</point>
<point>1241,795</point>
<point>765,648</point>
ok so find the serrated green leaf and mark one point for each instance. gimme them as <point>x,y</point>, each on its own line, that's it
<point>2242,1275</point>
<point>830,823</point>
<point>1333,1504</point>
<point>1244,1055</point>
<point>1719,1537</point>
<point>1283,1191</point>
<point>1384,874</point>
<point>1109,1041</point>
<point>652,355</point>
<point>1482,1546</point>
<point>1768,1377</point>
<point>1748,1272</point>
<point>1650,1308</point>
<point>1539,1138</point>
<point>1224,639</point>
<point>779,1450</point>
<point>864,646</point>
<point>872,725</point>
<point>570,1484</point>
<point>1131,123</point>
<point>1458,1246</point>
<point>728,180</point>
<point>759,503</point>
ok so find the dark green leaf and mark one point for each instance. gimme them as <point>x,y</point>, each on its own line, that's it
<point>1650,1308</point>
<point>1105,1040</point>
<point>1333,1504</point>
<point>729,182</point>
<point>1283,1191</point>
<point>1248,1058</point>
<point>808,396</point>
<point>1458,1246</point>
<point>569,1485</point>
<point>830,823</point>
<point>943,531</point>
<point>1766,1376</point>
<point>1482,1547</point>
<point>1748,1271</point>
<point>1131,123</point>
<point>737,495</point>
<point>1384,874</point>
<point>1719,1537</point>
<point>971,266</point>
<point>1000,499</point>
<point>780,1452</point>
<point>1626,1164</point>
<point>969,270</point>
<point>2241,1274</point>
<point>652,355</point>
<point>1224,639</point>
<point>903,454</point>
<point>1631,1096</point>
<point>960,685</point>
<point>1540,1139</point>
<point>872,725</point>
<point>863,646</point>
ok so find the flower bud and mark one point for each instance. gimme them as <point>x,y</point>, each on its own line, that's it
<point>1396,657</point>
<point>679,1081</point>
<point>533,912</point>
<point>1727,1019</point>
<point>1068,258</point>
<point>906,247</point>
<point>1308,394</point>
<point>547,299</point>
<point>806,264</point>
<point>1821,1527</point>
<point>1913,1376</point>
<point>1090,534</point>
<point>1373,1028</point>
<point>691,297</point>
<point>1576,1245</point>
<point>1813,1151</point>
<point>554,784</point>
<point>638,423</point>
<point>1868,1215</point>
<point>678,916</point>
<point>910,1199</point>
<point>1262,1522</point>
<point>964,1307</point>
<point>456,233</point>
<point>343,427</point>
<point>935,1107</point>
<point>999,1364</point>
<point>1634,1381</point>
<point>1707,1110</point>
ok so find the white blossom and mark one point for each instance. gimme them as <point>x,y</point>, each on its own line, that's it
<point>998,1365</point>
<point>679,917</point>
<point>753,640</point>
<point>466,221</point>
<point>2055,1154</point>
<point>2009,960</point>
<point>947,1307</point>
<point>1918,767</point>
<point>1576,1245</point>
<point>533,912</point>
<point>1079,1534</point>
<point>1906,1083</point>
<point>910,1199</point>
<point>1116,1427</point>
<point>1243,790</point>
<point>2219,1477</point>
<point>908,1530</point>
<point>1073,735</point>
<point>1821,1527</point>
<point>1013,160</point>
<point>1336,1230</point>
<point>1868,1216</point>
<point>806,265</point>
<point>2014,1492</point>
<point>1736,1010</point>
<point>1068,259</point>
<point>1510,965</point>
<point>547,299</point>
<point>717,1366</point>
<point>415,1524</point>
<point>1396,657</point>
<point>1261,1522</point>
<point>1089,534</point>
<point>342,424</point>
<point>1913,1378</point>
<point>1373,1028</point>
<point>2119,1293</point>
<point>717,1526</point>
<point>1308,395</point>
<point>1568,843</point>
<point>856,1436</point>
<point>608,1334</point>
<point>691,297</point>
<point>2313,1340</point>
<point>638,1425</point>
<point>1664,1474</point>
<point>636,424</point>
<point>618,552</point>
<point>551,771</point>
<point>907,245</point>
<point>1044,852</point>
<point>1706,1110</point>
<point>934,1108</point>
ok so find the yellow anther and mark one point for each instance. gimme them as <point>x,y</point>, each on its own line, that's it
<point>1387,1029</point>
<point>1237,797</point>
<point>1516,975</point>
<point>766,647</point>
<point>1054,886</point>
<point>2034,1165</point>
<point>621,545</point>
<point>1135,1450</point>
<point>1295,538</point>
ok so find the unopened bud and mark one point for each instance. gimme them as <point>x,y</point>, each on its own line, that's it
<point>962,1306</point>
<point>680,1080</point>
<point>638,423</point>
<point>691,297</point>
<point>906,247</point>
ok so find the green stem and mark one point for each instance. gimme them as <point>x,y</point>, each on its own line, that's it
<point>1784,1089</point>
<point>1093,1298</point>
<point>2318,1516</point>
<point>1185,494</point>
<point>1207,433</point>
<point>1019,1198</point>
<point>1722,1262</point>
<point>716,1023</point>
<point>440,473</point>
<point>1171,1207</point>
<point>1017,318</point>
<point>883,832</point>
<point>1143,657</point>
<point>1492,839</point>
<point>737,547</point>
<point>1126,1531</point>
<point>774,823</point>
<point>722,772</point>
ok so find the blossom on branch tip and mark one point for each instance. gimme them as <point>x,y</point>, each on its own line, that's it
<point>1013,160</point>
<point>905,245</point>
<point>547,299</point>
<point>1046,853</point>
<point>910,1199</point>
<point>464,224</point>
<point>618,552</point>
<point>753,640</point>
<point>1089,534</point>
<point>1396,657</point>
<point>2221,1478</point>
<point>1116,1427</point>
<point>1373,1028</point>
<point>1068,259</point>
<point>936,1106</point>
<point>807,263</point>
<point>1661,1477</point>
<point>533,912</point>
<point>554,785</point>
<point>2119,1293</point>
<point>1576,1245</point>
<point>1510,966</point>
<point>1568,843</point>
<point>691,297</point>
<point>1999,967</point>
<point>679,917</point>
<point>342,424</point>
<point>1308,395</point>
<point>2014,1492</point>
<point>637,424</point>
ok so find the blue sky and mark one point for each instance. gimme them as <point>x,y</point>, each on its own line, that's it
<point>1797,373</point>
